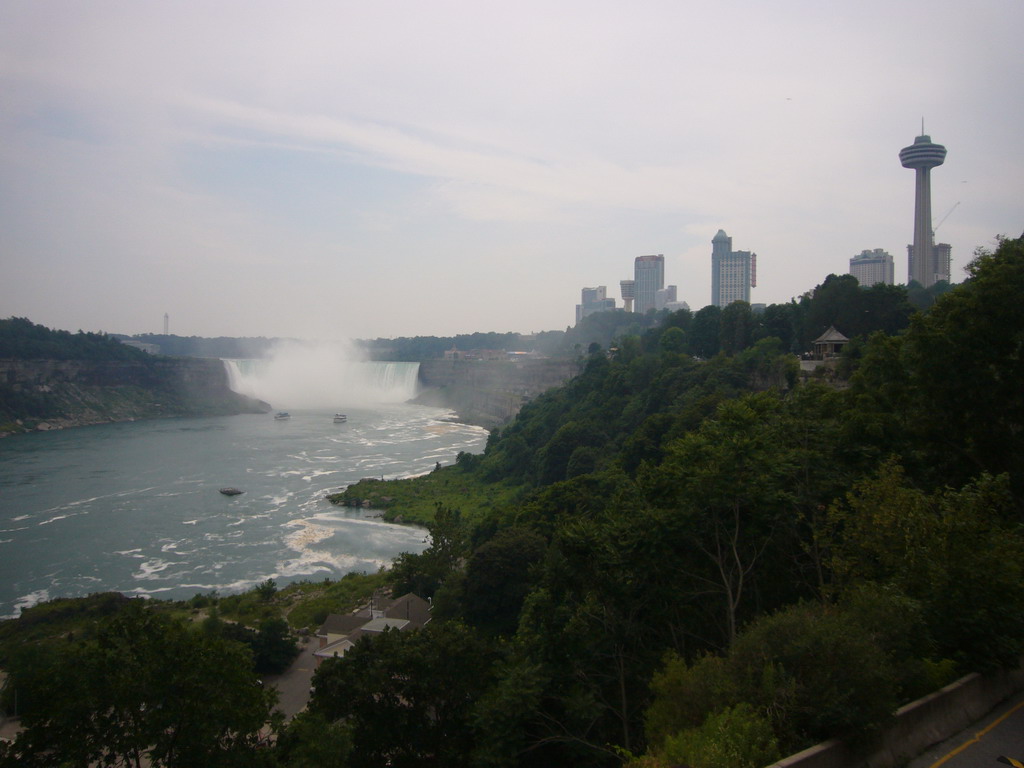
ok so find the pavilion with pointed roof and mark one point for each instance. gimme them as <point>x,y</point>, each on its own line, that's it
<point>830,344</point>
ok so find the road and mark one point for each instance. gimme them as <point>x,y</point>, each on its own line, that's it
<point>1001,732</point>
<point>293,684</point>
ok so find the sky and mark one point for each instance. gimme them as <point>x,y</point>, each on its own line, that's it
<point>334,170</point>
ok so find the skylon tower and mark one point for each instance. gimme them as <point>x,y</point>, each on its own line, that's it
<point>925,260</point>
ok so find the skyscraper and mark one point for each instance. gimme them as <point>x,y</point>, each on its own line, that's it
<point>593,300</point>
<point>872,267</point>
<point>649,278</point>
<point>665,296</point>
<point>927,263</point>
<point>732,272</point>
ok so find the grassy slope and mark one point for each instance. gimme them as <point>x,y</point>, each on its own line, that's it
<point>415,499</point>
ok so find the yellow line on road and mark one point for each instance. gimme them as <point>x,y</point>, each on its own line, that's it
<point>977,737</point>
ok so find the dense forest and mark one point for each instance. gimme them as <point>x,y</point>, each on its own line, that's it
<point>21,339</point>
<point>702,556</point>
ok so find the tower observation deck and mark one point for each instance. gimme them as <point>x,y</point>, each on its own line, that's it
<point>922,156</point>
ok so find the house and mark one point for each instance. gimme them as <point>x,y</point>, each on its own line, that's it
<point>339,632</point>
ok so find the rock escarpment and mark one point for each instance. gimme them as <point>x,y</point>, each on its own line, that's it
<point>50,394</point>
<point>489,392</point>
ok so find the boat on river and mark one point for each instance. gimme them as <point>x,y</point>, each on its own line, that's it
<point>340,418</point>
<point>231,491</point>
<point>282,415</point>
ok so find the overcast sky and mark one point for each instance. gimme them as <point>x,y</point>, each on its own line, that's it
<point>354,170</point>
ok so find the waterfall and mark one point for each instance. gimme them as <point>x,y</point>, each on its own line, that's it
<point>313,376</point>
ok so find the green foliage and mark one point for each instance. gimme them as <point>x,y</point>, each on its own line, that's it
<point>425,573</point>
<point>852,309</point>
<point>684,694</point>
<point>312,741</point>
<point>266,590</point>
<point>959,553</point>
<point>812,669</point>
<point>311,602</point>
<point>736,737</point>
<point>146,685</point>
<point>735,328</point>
<point>705,333</point>
<point>498,578</point>
<point>407,696</point>
<point>414,500</point>
<point>817,671</point>
<point>21,339</point>
<point>965,364</point>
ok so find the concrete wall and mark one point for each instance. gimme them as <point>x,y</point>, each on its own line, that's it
<point>918,725</point>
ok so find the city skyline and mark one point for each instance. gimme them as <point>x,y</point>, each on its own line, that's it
<point>344,170</point>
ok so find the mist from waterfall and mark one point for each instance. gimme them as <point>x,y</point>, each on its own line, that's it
<point>331,375</point>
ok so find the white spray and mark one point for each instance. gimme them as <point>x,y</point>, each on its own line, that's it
<point>330,375</point>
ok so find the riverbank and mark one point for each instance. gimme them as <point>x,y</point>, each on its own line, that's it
<point>42,395</point>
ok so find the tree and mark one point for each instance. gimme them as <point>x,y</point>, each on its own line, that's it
<point>266,590</point>
<point>811,668</point>
<point>704,334</point>
<point>958,552</point>
<point>727,482</point>
<point>423,574</point>
<point>146,688</point>
<point>736,737</point>
<point>407,696</point>
<point>965,359</point>
<point>498,579</point>
<point>736,327</point>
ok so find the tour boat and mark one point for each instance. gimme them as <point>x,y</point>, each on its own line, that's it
<point>282,415</point>
<point>339,418</point>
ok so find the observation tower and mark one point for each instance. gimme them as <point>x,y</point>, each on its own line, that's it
<point>922,156</point>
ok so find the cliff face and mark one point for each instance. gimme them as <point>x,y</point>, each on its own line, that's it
<point>46,394</point>
<point>489,393</point>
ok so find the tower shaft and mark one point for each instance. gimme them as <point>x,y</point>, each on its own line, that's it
<point>922,156</point>
<point>924,244</point>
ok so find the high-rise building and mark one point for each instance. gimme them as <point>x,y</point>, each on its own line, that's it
<point>873,267</point>
<point>593,300</point>
<point>649,278</point>
<point>628,289</point>
<point>733,273</point>
<point>664,297</point>
<point>927,263</point>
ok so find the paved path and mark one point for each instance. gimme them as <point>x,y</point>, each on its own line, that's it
<point>293,684</point>
<point>1000,732</point>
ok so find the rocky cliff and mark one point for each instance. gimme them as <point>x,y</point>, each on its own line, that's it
<point>489,393</point>
<point>49,394</point>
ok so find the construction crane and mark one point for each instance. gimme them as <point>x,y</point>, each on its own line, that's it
<point>950,211</point>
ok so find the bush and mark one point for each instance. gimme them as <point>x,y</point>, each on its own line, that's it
<point>736,737</point>
<point>817,672</point>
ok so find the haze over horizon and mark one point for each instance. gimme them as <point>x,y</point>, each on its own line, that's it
<point>343,170</point>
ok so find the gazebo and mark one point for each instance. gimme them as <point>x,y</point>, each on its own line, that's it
<point>829,344</point>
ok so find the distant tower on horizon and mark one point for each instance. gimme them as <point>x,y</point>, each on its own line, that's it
<point>167,324</point>
<point>649,278</point>
<point>926,262</point>
<point>733,273</point>
<point>628,289</point>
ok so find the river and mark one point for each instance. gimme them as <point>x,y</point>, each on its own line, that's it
<point>135,507</point>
